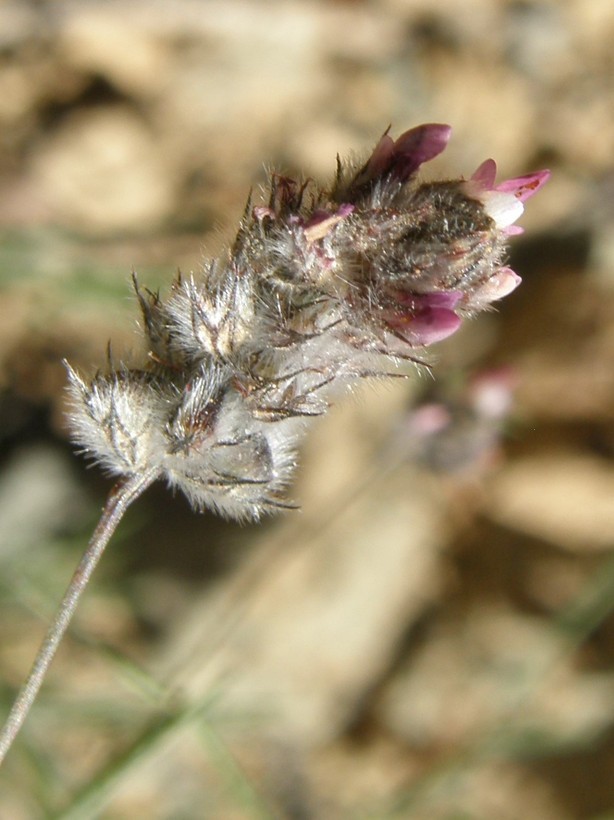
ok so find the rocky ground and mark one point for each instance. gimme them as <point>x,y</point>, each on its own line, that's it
<point>432,635</point>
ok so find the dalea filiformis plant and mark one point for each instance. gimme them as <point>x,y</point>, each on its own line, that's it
<point>322,287</point>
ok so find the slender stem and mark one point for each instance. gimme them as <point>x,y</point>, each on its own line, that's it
<point>121,496</point>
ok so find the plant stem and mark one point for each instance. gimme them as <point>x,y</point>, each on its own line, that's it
<point>120,498</point>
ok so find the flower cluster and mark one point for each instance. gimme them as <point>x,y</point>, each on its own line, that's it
<point>320,288</point>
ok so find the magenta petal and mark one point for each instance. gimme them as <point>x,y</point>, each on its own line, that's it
<point>442,299</point>
<point>433,325</point>
<point>345,209</point>
<point>416,146</point>
<point>524,187</point>
<point>421,301</point>
<point>429,326</point>
<point>380,160</point>
<point>486,174</point>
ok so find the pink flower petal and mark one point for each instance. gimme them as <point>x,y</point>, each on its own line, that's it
<point>441,299</point>
<point>433,325</point>
<point>427,327</point>
<point>418,145</point>
<point>345,209</point>
<point>379,161</point>
<point>402,157</point>
<point>524,187</point>
<point>500,284</point>
<point>486,174</point>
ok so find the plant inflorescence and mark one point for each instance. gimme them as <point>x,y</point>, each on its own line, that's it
<point>322,287</point>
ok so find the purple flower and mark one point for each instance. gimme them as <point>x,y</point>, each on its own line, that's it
<point>398,160</point>
<point>503,202</point>
<point>423,319</point>
<point>420,255</point>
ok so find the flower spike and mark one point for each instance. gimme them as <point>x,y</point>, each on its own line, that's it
<point>322,287</point>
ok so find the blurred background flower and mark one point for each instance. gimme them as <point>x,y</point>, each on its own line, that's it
<point>432,635</point>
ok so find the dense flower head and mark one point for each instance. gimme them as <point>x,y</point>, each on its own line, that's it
<point>320,288</point>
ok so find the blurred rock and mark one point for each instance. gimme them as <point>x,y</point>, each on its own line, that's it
<point>562,497</point>
<point>38,498</point>
<point>498,676</point>
<point>101,171</point>
<point>323,622</point>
